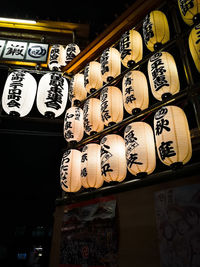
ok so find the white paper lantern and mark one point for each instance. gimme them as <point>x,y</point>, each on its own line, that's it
<point>77,91</point>
<point>71,51</point>
<point>194,45</point>
<point>190,11</point>
<point>56,57</point>
<point>92,77</point>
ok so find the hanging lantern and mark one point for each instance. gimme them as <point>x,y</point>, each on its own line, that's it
<point>52,95</point>
<point>77,91</point>
<point>56,57</point>
<point>163,75</point>
<point>111,105</point>
<point>91,166</point>
<point>131,48</point>
<point>190,11</point>
<point>71,51</point>
<point>113,158</point>
<point>92,116</point>
<point>19,93</point>
<point>172,136</point>
<point>155,30</point>
<point>70,171</point>
<point>135,92</point>
<point>110,64</point>
<point>92,77</point>
<point>194,45</point>
<point>140,148</point>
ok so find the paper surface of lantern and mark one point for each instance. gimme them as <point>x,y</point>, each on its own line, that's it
<point>92,77</point>
<point>56,57</point>
<point>163,75</point>
<point>77,91</point>
<point>70,171</point>
<point>91,166</point>
<point>140,148</point>
<point>155,30</point>
<point>52,94</point>
<point>71,51</point>
<point>194,45</point>
<point>190,11</point>
<point>113,158</point>
<point>19,93</point>
<point>172,136</point>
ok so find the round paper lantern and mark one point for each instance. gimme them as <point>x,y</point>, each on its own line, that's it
<point>111,105</point>
<point>131,48</point>
<point>92,77</point>
<point>155,30</point>
<point>77,91</point>
<point>70,171</point>
<point>113,158</point>
<point>190,11</point>
<point>91,166</point>
<point>172,136</point>
<point>163,75</point>
<point>52,95</point>
<point>19,93</point>
<point>194,45</point>
<point>71,51</point>
<point>110,64</point>
<point>57,57</point>
<point>140,148</point>
<point>135,92</point>
<point>92,116</point>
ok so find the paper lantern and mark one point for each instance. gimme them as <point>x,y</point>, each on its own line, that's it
<point>92,77</point>
<point>91,166</point>
<point>194,45</point>
<point>135,92</point>
<point>77,91</point>
<point>70,171</point>
<point>110,64</point>
<point>113,158</point>
<point>52,95</point>
<point>140,148</point>
<point>111,105</point>
<point>92,116</point>
<point>172,136</point>
<point>190,11</point>
<point>19,93</point>
<point>131,48</point>
<point>163,75</point>
<point>56,57</point>
<point>71,51</point>
<point>155,30</point>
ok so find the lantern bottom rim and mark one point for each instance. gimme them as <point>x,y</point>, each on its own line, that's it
<point>14,114</point>
<point>130,63</point>
<point>165,96</point>
<point>196,18</point>
<point>93,132</point>
<point>157,46</point>
<point>135,111</point>
<point>92,90</point>
<point>111,123</point>
<point>77,102</point>
<point>110,78</point>
<point>141,174</point>
<point>71,144</point>
<point>176,165</point>
<point>49,115</point>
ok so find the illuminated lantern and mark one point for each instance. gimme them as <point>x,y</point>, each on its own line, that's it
<point>190,11</point>
<point>155,30</point>
<point>163,75</point>
<point>92,77</point>
<point>131,48</point>
<point>135,92</point>
<point>19,93</point>
<point>91,166</point>
<point>140,148</point>
<point>110,64</point>
<point>172,136</point>
<point>71,51</point>
<point>52,95</point>
<point>194,45</point>
<point>92,116</point>
<point>113,158</point>
<point>70,171</point>
<point>56,57</point>
<point>77,91</point>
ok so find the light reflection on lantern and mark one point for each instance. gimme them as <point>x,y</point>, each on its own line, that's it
<point>71,51</point>
<point>194,45</point>
<point>77,91</point>
<point>190,11</point>
<point>56,57</point>
<point>92,77</point>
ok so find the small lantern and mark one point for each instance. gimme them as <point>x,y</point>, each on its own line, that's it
<point>113,158</point>
<point>77,91</point>
<point>71,51</point>
<point>70,171</point>
<point>19,93</point>
<point>131,48</point>
<point>111,105</point>
<point>140,148</point>
<point>92,116</point>
<point>92,77</point>
<point>194,45</point>
<point>163,75</point>
<point>56,57</point>
<point>91,166</point>
<point>190,11</point>
<point>172,136</point>
<point>155,30</point>
<point>135,92</point>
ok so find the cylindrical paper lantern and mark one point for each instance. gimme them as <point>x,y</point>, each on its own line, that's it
<point>194,45</point>
<point>70,171</point>
<point>92,116</point>
<point>113,158</point>
<point>155,30</point>
<point>71,51</point>
<point>140,148</point>
<point>91,166</point>
<point>77,91</point>
<point>135,92</point>
<point>131,48</point>
<point>92,77</point>
<point>19,93</point>
<point>111,105</point>
<point>57,57</point>
<point>190,11</point>
<point>163,75</point>
<point>172,136</point>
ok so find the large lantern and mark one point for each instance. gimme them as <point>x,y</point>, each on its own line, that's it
<point>52,95</point>
<point>140,148</point>
<point>77,91</point>
<point>56,57</point>
<point>163,75</point>
<point>194,45</point>
<point>172,136</point>
<point>19,93</point>
<point>113,158</point>
<point>92,77</point>
<point>190,11</point>
<point>70,171</point>
<point>135,92</point>
<point>155,30</point>
<point>91,166</point>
